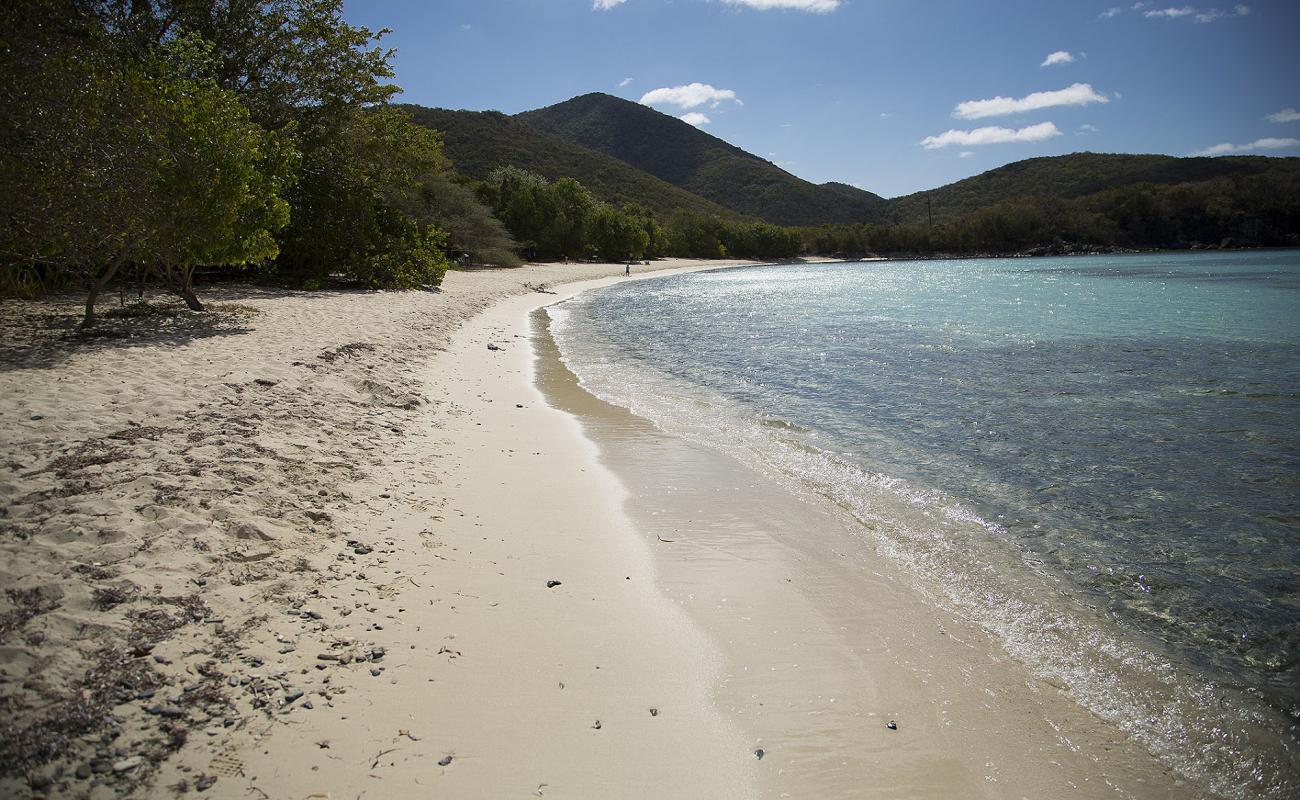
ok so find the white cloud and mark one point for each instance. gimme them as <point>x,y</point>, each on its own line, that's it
<point>465,26</point>
<point>1140,6</point>
<point>814,6</point>
<point>1086,129</point>
<point>966,154</point>
<point>1059,57</point>
<point>991,135</point>
<point>1285,115</point>
<point>689,96</point>
<point>1110,13</point>
<point>886,115</point>
<point>1241,10</point>
<point>624,82</point>
<point>1255,146</point>
<point>1171,13</point>
<point>605,5</point>
<point>695,118</point>
<point>1079,94</point>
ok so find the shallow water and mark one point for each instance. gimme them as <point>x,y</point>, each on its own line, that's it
<point>1095,458</point>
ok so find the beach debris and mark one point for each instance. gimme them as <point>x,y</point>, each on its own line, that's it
<point>492,346</point>
<point>127,764</point>
<point>893,726</point>
<point>519,405</point>
<point>37,418</point>
<point>759,753</point>
<point>552,584</point>
<point>408,734</point>
<point>654,712</point>
<point>205,782</point>
<point>265,382</point>
<point>596,726</point>
<point>444,761</point>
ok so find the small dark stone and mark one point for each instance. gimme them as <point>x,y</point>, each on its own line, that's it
<point>893,726</point>
<point>552,584</point>
<point>519,405</point>
<point>292,696</point>
<point>37,418</point>
<point>759,753</point>
<point>654,712</point>
<point>376,671</point>
<point>205,782</point>
<point>265,382</point>
<point>597,725</point>
<point>444,761</point>
<point>38,780</point>
<point>83,771</point>
<point>493,347</point>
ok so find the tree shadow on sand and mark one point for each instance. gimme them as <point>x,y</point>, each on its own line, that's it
<point>43,333</point>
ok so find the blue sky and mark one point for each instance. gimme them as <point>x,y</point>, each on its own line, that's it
<point>894,96</point>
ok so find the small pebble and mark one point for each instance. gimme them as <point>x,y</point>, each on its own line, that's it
<point>37,418</point>
<point>893,726</point>
<point>444,761</point>
<point>759,753</point>
<point>552,584</point>
<point>597,725</point>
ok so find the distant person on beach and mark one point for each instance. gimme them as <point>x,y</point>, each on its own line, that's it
<point>627,268</point>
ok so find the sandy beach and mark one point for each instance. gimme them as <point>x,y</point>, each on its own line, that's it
<point>383,545</point>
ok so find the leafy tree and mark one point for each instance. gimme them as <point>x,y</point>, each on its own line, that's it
<point>470,226</point>
<point>616,235</point>
<point>110,160</point>
<point>359,209</point>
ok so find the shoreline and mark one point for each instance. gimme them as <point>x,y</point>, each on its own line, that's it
<point>383,609</point>
<point>184,493</point>
<point>827,640</point>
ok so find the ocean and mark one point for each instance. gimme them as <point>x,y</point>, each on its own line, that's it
<point>1097,459</point>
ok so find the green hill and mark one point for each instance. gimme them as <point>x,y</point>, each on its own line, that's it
<point>693,160</point>
<point>479,141</point>
<point>1071,176</point>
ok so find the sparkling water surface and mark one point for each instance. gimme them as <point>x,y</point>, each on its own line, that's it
<point>1098,458</point>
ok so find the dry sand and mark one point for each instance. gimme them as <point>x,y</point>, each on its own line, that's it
<point>302,546</point>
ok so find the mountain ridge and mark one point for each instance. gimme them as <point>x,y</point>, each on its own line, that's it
<point>699,162</point>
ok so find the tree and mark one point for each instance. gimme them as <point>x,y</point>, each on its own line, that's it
<point>109,160</point>
<point>616,235</point>
<point>359,208</point>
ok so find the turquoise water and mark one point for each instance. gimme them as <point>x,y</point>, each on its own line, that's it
<point>1096,458</point>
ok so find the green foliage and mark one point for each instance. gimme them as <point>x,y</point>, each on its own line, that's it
<point>110,159</point>
<point>1240,210</point>
<point>550,219</point>
<point>283,58</point>
<point>704,165</point>
<point>1069,177</point>
<point>617,235</point>
<point>478,142</point>
<point>471,228</point>
<point>360,209</point>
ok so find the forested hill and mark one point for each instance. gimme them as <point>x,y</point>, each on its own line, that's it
<point>1073,176</point>
<point>479,141</point>
<point>693,160</point>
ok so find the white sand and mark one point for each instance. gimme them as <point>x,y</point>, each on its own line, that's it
<point>385,420</point>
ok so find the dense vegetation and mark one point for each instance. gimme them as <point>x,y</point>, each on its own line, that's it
<point>702,164</point>
<point>1068,177</point>
<point>1251,210</point>
<point>167,136</point>
<point>477,142</point>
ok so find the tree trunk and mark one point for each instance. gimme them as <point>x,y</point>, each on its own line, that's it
<point>181,281</point>
<point>96,286</point>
